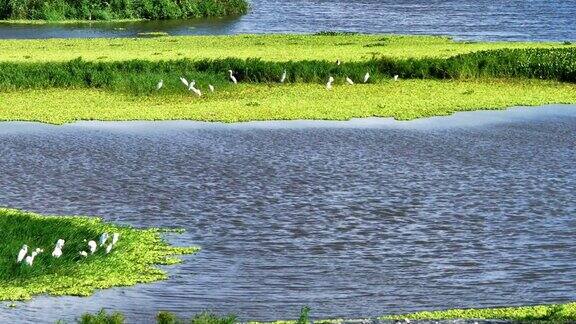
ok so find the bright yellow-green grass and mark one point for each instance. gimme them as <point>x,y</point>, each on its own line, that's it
<point>554,313</point>
<point>267,47</point>
<point>132,260</point>
<point>407,99</point>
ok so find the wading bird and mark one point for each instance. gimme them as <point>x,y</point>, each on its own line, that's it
<point>115,238</point>
<point>350,82</point>
<point>197,92</point>
<point>30,258</point>
<point>92,246</point>
<point>160,85</point>
<point>184,81</point>
<point>191,85</point>
<point>396,77</point>
<point>283,78</point>
<point>60,243</point>
<point>22,253</point>
<point>232,77</point>
<point>338,62</point>
<point>57,252</point>
<point>211,87</point>
<point>103,238</point>
<point>83,253</point>
<point>366,77</point>
<point>329,84</point>
<point>109,248</point>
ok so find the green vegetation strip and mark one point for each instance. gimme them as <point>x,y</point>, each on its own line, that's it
<point>437,77</point>
<point>557,312</point>
<point>133,260</point>
<point>277,48</point>
<point>89,10</point>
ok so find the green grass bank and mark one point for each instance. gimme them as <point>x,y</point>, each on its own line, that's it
<point>556,313</point>
<point>40,81</point>
<point>100,10</point>
<point>133,259</point>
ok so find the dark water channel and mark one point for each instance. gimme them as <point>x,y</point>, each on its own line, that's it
<point>552,20</point>
<point>355,219</point>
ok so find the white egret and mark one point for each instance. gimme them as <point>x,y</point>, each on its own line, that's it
<point>350,82</point>
<point>22,253</point>
<point>109,248</point>
<point>160,85</point>
<point>396,77</point>
<point>92,246</point>
<point>232,77</point>
<point>211,87</point>
<point>329,84</point>
<point>184,81</point>
<point>366,77</point>
<point>60,243</point>
<point>30,258</point>
<point>115,238</point>
<point>103,238</point>
<point>83,253</point>
<point>283,78</point>
<point>57,252</point>
<point>191,85</point>
<point>197,92</point>
<point>338,62</point>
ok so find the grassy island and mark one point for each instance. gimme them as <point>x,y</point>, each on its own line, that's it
<point>132,260</point>
<point>117,78</point>
<point>117,10</point>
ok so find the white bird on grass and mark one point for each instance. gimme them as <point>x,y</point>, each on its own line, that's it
<point>60,243</point>
<point>211,87</point>
<point>191,85</point>
<point>283,78</point>
<point>57,252</point>
<point>366,77</point>
<point>22,253</point>
<point>109,248</point>
<point>115,238</point>
<point>92,246</point>
<point>83,253</point>
<point>103,238</point>
<point>184,81</point>
<point>396,77</point>
<point>232,77</point>
<point>338,62</point>
<point>329,84</point>
<point>159,85</point>
<point>30,258</point>
<point>350,82</point>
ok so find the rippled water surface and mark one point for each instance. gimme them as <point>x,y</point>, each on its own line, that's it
<point>355,219</point>
<point>469,19</point>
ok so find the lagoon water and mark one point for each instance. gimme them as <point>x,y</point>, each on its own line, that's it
<point>355,219</point>
<point>552,20</point>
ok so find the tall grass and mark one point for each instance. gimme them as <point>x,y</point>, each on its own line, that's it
<point>131,261</point>
<point>57,10</point>
<point>140,77</point>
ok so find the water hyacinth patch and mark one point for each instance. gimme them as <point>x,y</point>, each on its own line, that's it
<point>132,260</point>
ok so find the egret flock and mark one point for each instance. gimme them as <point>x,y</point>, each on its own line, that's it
<point>329,85</point>
<point>105,241</point>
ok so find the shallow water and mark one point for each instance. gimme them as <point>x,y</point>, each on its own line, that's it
<point>552,20</point>
<point>355,219</point>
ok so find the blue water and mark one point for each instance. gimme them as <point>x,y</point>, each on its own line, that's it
<point>356,219</point>
<point>552,20</point>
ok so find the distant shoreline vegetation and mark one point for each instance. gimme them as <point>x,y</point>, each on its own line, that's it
<point>112,10</point>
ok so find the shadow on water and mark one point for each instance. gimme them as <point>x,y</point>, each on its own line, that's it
<point>355,219</point>
<point>551,20</point>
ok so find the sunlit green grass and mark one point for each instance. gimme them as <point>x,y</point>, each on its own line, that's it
<point>552,313</point>
<point>133,260</point>
<point>267,47</point>
<point>404,100</point>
